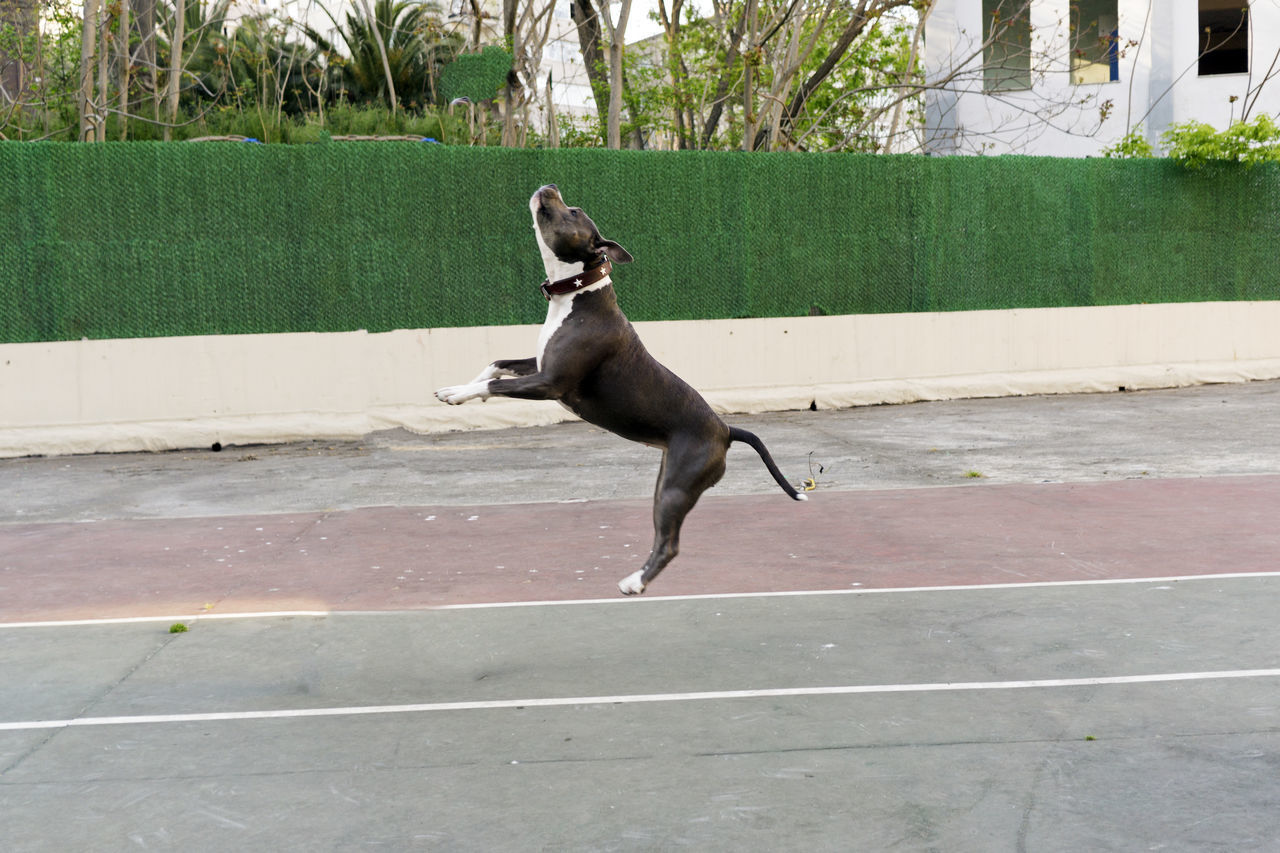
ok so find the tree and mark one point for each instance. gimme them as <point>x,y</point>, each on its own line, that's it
<point>176,45</point>
<point>145,56</point>
<point>168,38</point>
<point>39,71</point>
<point>617,44</point>
<point>729,18</point>
<point>851,26</point>
<point>396,51</point>
<point>763,74</point>
<point>677,70</point>
<point>17,39</point>
<point>90,118</point>
<point>594,25</point>
<point>258,67</point>
<point>526,27</point>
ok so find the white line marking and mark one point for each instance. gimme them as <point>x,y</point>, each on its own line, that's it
<point>636,698</point>
<point>863,591</point>
<point>189,617</point>
<point>650,598</point>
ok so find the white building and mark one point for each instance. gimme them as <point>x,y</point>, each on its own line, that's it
<point>1070,77</point>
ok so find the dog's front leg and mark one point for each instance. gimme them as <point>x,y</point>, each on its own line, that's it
<point>535,386</point>
<point>507,367</point>
<point>550,380</point>
<point>479,387</point>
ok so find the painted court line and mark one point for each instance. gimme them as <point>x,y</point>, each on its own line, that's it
<point>133,620</point>
<point>136,620</point>
<point>862,591</point>
<point>630,699</point>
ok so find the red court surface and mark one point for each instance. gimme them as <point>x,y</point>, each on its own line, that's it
<point>404,558</point>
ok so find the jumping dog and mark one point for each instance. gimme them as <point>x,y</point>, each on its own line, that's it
<point>591,360</point>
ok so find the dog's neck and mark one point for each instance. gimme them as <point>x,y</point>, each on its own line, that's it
<point>556,268</point>
<point>594,274</point>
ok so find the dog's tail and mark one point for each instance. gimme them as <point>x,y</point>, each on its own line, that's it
<point>736,434</point>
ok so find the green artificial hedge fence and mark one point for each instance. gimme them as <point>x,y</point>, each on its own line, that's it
<point>150,239</point>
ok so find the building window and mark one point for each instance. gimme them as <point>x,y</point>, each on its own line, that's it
<point>1095,42</point>
<point>1224,37</point>
<point>1006,52</point>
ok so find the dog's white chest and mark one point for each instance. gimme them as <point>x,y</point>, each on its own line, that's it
<point>558,310</point>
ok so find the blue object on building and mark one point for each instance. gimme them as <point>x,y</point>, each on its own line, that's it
<point>1113,55</point>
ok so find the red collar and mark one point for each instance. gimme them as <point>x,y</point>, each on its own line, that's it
<point>586,278</point>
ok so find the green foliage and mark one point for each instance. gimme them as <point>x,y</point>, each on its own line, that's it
<point>355,120</point>
<point>646,105</point>
<point>1194,144</point>
<point>579,133</point>
<point>203,45</point>
<point>843,113</point>
<point>264,126</point>
<point>475,76</point>
<point>416,45</point>
<point>279,75</point>
<point>257,66</point>
<point>56,89</point>
<point>1132,146</point>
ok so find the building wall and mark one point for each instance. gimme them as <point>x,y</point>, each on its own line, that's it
<point>1207,98</point>
<point>1158,86</point>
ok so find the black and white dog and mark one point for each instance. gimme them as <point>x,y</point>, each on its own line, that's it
<point>591,361</point>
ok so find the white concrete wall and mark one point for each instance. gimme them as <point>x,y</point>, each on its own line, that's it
<point>165,393</point>
<point>1158,83</point>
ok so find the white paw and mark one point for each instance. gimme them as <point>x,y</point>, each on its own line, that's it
<point>450,395</point>
<point>632,584</point>
<point>455,395</point>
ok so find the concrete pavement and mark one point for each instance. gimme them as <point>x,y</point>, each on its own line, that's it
<point>1024,624</point>
<point>1212,430</point>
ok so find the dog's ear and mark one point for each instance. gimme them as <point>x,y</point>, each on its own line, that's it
<point>615,252</point>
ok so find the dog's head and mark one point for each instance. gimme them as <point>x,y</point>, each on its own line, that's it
<point>566,235</point>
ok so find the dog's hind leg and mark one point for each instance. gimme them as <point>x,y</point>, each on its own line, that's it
<point>688,470</point>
